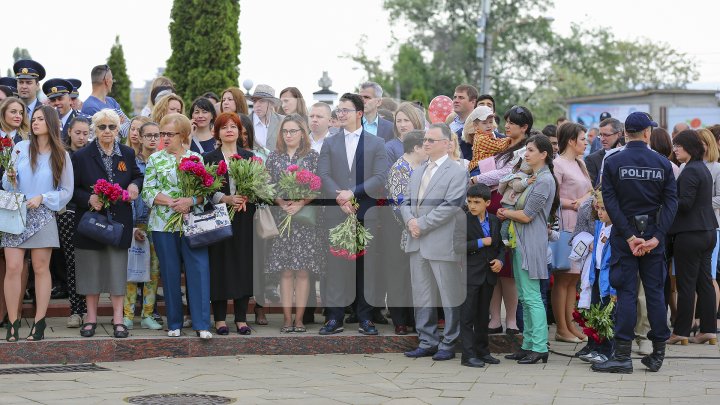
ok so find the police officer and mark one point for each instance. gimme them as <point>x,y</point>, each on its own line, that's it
<point>11,84</point>
<point>639,190</point>
<point>75,94</point>
<point>58,92</point>
<point>29,74</point>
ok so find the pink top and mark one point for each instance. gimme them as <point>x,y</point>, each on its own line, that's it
<point>573,183</point>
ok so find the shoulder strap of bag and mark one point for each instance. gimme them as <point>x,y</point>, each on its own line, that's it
<point>198,144</point>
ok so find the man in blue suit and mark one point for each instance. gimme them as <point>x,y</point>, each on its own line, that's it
<point>353,165</point>
<point>372,123</point>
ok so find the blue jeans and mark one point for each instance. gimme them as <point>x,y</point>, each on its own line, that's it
<point>173,250</point>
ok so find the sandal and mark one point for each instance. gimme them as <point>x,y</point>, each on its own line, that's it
<point>37,331</point>
<point>120,331</point>
<point>88,332</point>
<point>299,329</point>
<point>287,329</point>
<point>260,318</point>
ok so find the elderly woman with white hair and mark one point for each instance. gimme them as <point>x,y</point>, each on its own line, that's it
<point>43,173</point>
<point>100,267</point>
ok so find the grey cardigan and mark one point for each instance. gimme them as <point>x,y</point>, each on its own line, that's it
<point>532,238</point>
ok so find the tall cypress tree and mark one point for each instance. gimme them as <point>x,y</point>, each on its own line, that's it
<point>205,46</point>
<point>121,88</point>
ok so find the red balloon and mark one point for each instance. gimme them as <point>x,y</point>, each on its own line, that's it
<point>439,109</point>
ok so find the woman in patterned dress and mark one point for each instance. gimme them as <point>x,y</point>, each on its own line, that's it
<point>303,251</point>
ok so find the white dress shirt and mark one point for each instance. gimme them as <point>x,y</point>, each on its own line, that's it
<point>351,143</point>
<point>64,119</point>
<point>317,145</point>
<point>261,131</point>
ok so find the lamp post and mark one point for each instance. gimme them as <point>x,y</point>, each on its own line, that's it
<point>247,85</point>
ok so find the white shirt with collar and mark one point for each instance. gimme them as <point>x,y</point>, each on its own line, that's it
<point>261,131</point>
<point>438,163</point>
<point>351,143</point>
<point>64,119</point>
<point>317,145</point>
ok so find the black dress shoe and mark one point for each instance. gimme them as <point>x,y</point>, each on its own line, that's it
<point>494,331</point>
<point>472,362</point>
<point>489,359</point>
<point>377,317</point>
<point>511,331</point>
<point>534,357</point>
<point>517,355</point>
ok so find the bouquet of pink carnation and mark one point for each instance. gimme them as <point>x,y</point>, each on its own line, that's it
<point>252,180</point>
<point>196,179</point>
<point>298,184</point>
<point>110,193</point>
<point>349,240</point>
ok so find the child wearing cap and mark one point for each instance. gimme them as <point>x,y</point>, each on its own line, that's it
<point>485,144</point>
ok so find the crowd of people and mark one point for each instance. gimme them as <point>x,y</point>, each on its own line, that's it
<point>467,215</point>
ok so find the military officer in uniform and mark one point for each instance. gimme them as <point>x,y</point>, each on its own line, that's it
<point>58,92</point>
<point>75,94</point>
<point>11,84</point>
<point>29,74</point>
<point>640,195</point>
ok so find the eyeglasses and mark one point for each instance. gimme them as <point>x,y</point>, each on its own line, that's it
<point>103,127</point>
<point>343,111</point>
<point>432,141</point>
<point>152,136</point>
<point>290,131</point>
<point>168,134</point>
<point>608,135</point>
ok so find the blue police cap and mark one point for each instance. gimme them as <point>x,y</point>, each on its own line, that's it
<point>76,85</point>
<point>9,82</point>
<point>638,121</point>
<point>28,69</point>
<point>57,88</point>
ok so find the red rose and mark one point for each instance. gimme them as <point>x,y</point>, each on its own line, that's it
<point>6,142</point>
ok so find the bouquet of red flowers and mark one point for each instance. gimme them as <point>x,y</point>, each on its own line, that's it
<point>110,193</point>
<point>349,240</point>
<point>252,180</point>
<point>6,155</point>
<point>596,322</point>
<point>196,179</point>
<point>298,184</point>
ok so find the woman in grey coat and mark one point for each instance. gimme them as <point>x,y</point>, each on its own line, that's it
<point>530,218</point>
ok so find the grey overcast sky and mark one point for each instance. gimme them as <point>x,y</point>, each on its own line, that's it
<point>290,42</point>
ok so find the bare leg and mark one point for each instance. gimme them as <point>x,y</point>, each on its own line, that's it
<point>302,289</point>
<point>117,304</point>
<point>92,306</point>
<point>14,259</point>
<point>43,283</point>
<point>510,298</point>
<point>559,298</point>
<point>23,287</point>
<point>286,296</point>
<point>495,307</point>
<point>570,305</point>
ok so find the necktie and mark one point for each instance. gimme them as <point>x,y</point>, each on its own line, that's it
<point>426,179</point>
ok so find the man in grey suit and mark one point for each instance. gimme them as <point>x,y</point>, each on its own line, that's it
<point>437,191</point>
<point>265,120</point>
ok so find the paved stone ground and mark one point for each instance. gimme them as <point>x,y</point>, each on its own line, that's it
<point>379,379</point>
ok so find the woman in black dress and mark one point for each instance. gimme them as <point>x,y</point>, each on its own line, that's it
<point>231,260</point>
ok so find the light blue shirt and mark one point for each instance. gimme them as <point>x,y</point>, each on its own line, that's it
<point>34,183</point>
<point>371,127</point>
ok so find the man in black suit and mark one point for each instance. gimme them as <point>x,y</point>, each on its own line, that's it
<point>58,92</point>
<point>353,165</point>
<point>611,132</point>
<point>372,123</point>
<point>484,251</point>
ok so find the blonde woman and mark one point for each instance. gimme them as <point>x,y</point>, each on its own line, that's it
<point>172,103</point>
<point>160,81</point>
<point>13,119</point>
<point>133,139</point>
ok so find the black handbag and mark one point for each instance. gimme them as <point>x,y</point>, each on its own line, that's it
<point>101,228</point>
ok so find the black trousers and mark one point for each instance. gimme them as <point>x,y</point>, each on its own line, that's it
<point>693,254</point>
<point>474,319</point>
<point>240,306</point>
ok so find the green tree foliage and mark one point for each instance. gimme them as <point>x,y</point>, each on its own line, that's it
<point>205,46</point>
<point>531,64</point>
<point>20,53</point>
<point>121,87</point>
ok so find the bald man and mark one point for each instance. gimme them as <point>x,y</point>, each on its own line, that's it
<point>679,127</point>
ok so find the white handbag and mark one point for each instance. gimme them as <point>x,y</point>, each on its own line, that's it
<point>13,212</point>
<point>208,227</point>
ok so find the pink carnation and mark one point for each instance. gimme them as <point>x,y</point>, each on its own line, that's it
<point>304,176</point>
<point>222,168</point>
<point>256,159</point>
<point>315,184</point>
<point>293,168</point>
<point>125,195</point>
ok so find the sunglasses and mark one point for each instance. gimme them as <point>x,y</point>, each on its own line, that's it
<point>432,141</point>
<point>103,127</point>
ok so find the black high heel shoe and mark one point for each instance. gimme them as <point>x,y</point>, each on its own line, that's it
<point>14,327</point>
<point>534,357</point>
<point>37,331</point>
<point>519,355</point>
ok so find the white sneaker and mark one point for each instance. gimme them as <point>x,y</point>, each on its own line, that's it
<point>174,333</point>
<point>644,346</point>
<point>203,334</point>
<point>74,321</point>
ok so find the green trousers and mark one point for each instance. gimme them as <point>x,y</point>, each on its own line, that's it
<point>535,332</point>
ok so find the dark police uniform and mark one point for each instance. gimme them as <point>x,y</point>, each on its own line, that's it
<point>10,82</point>
<point>640,197</point>
<point>29,69</point>
<point>58,88</point>
<point>76,84</point>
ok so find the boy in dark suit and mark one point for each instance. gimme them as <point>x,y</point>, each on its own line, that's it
<point>484,259</point>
